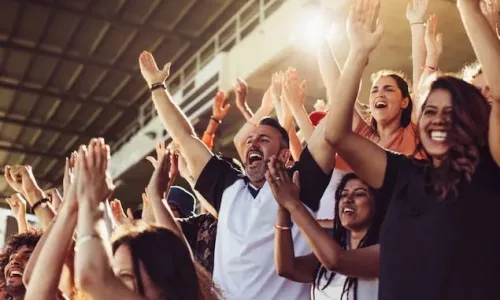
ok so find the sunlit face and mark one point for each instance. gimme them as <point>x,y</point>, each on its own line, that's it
<point>123,268</point>
<point>481,83</point>
<point>261,144</point>
<point>356,205</point>
<point>435,124</point>
<point>14,270</point>
<point>386,100</point>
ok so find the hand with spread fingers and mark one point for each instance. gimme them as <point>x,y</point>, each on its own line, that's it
<point>220,108</point>
<point>162,179</point>
<point>91,179</point>
<point>416,11</point>
<point>285,190</point>
<point>294,92</point>
<point>433,42</point>
<point>150,71</point>
<point>240,88</point>
<point>363,30</point>
<point>118,215</point>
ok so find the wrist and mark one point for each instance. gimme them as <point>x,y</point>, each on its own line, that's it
<point>359,55</point>
<point>35,195</point>
<point>292,205</point>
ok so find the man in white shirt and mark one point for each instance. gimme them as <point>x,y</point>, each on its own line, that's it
<point>243,260</point>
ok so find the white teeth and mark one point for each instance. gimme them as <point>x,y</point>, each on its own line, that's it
<point>16,273</point>
<point>347,209</point>
<point>255,155</point>
<point>380,104</point>
<point>438,136</point>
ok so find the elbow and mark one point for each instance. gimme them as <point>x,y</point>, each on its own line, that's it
<point>332,137</point>
<point>331,264</point>
<point>284,272</point>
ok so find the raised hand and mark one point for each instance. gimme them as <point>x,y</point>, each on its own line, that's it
<point>416,11</point>
<point>433,41</point>
<point>118,215</point>
<point>91,180</point>
<point>69,174</point>
<point>54,197</point>
<point>285,190</point>
<point>17,205</point>
<point>21,179</point>
<point>150,71</point>
<point>489,8</point>
<point>363,30</point>
<point>161,180</point>
<point>147,209</point>
<point>240,88</point>
<point>219,108</point>
<point>277,85</point>
<point>294,92</point>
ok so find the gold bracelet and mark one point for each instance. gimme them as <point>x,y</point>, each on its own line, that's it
<point>282,227</point>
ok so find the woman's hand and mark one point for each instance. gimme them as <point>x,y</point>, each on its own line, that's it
<point>219,108</point>
<point>433,42</point>
<point>285,190</point>
<point>17,205</point>
<point>363,30</point>
<point>416,11</point>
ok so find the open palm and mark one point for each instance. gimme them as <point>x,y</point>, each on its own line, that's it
<point>362,28</point>
<point>150,71</point>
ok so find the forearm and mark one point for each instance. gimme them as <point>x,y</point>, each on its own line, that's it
<point>328,68</point>
<point>28,271</point>
<point>209,134</point>
<point>339,121</point>
<point>494,132</point>
<point>163,215</point>
<point>295,144</point>
<point>418,50</point>
<point>22,224</point>
<point>92,265</point>
<point>484,41</point>
<point>44,213</point>
<point>48,268</point>
<point>302,119</point>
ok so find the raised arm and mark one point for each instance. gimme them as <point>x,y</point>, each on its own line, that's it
<point>174,120</point>
<point>487,48</point>
<point>299,269</point>
<point>219,112</point>
<point>434,49</point>
<point>366,158</point>
<point>416,14</point>
<point>22,180</point>
<point>17,205</point>
<point>358,263</point>
<point>94,275</point>
<point>241,91</point>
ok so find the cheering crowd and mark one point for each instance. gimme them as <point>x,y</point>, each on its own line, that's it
<point>397,199</point>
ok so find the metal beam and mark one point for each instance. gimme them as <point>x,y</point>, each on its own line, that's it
<point>30,152</point>
<point>117,21</point>
<point>65,96</point>
<point>36,125</point>
<point>75,57</point>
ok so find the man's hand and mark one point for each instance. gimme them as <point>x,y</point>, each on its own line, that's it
<point>54,197</point>
<point>150,71</point>
<point>240,89</point>
<point>219,108</point>
<point>17,205</point>
<point>285,190</point>
<point>416,11</point>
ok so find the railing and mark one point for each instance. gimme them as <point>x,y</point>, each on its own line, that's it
<point>249,17</point>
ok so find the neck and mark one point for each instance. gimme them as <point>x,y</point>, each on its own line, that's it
<point>357,236</point>
<point>386,130</point>
<point>258,184</point>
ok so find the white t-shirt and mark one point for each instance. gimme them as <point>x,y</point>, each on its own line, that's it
<point>367,288</point>
<point>327,203</point>
<point>244,248</point>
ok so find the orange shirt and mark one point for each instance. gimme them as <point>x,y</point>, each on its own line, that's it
<point>403,141</point>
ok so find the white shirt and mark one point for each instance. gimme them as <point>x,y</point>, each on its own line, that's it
<point>244,248</point>
<point>367,288</point>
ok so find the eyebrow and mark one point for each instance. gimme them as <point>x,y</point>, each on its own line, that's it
<point>356,189</point>
<point>384,86</point>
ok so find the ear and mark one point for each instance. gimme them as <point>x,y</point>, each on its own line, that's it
<point>405,102</point>
<point>284,155</point>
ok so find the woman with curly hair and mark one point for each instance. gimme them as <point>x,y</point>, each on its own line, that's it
<point>439,239</point>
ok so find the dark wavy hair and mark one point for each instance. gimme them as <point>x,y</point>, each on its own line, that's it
<point>341,236</point>
<point>467,136</point>
<point>29,238</point>
<point>403,84</point>
<point>167,260</point>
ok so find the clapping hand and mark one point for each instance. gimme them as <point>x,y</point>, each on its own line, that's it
<point>285,190</point>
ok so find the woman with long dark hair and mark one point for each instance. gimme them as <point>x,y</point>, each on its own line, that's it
<point>439,239</point>
<point>356,225</point>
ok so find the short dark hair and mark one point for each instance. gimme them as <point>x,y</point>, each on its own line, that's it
<point>29,238</point>
<point>272,122</point>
